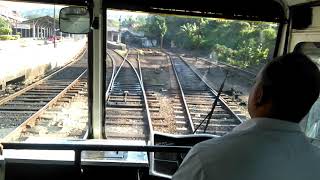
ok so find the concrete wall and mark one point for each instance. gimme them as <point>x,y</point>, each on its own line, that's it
<point>34,61</point>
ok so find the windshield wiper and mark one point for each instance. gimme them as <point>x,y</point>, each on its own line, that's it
<point>209,115</point>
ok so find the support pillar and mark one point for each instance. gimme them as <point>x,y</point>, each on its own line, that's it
<point>98,109</point>
<point>33,31</point>
<point>38,32</point>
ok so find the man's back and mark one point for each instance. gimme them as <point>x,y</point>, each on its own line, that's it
<point>258,149</point>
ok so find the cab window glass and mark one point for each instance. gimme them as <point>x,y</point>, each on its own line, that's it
<point>168,70</point>
<point>311,123</point>
<point>43,90</point>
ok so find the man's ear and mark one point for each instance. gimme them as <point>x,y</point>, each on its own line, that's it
<point>258,96</point>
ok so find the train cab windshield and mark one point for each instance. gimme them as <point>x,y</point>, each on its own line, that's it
<point>89,84</point>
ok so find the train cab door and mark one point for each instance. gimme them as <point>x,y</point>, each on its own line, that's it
<point>302,34</point>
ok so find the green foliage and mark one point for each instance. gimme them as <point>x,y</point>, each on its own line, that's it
<point>162,27</point>
<point>128,23</point>
<point>5,27</point>
<point>241,43</point>
<point>9,37</point>
<point>224,53</point>
<point>112,23</point>
<point>269,35</point>
<point>5,30</point>
<point>195,32</point>
<point>250,53</point>
<point>155,27</point>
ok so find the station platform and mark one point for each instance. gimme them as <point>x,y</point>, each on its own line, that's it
<point>31,59</point>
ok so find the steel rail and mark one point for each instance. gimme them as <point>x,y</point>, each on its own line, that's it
<point>31,120</point>
<point>151,133</point>
<point>182,94</point>
<point>151,155</point>
<point>113,73</point>
<point>212,90</point>
<point>116,74</point>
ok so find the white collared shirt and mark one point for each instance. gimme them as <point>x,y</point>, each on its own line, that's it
<point>259,149</point>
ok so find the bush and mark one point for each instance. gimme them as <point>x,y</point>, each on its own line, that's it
<point>250,53</point>
<point>9,37</point>
<point>5,30</point>
<point>5,37</point>
<point>15,37</point>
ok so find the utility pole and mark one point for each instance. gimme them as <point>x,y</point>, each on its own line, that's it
<point>119,35</point>
<point>54,26</point>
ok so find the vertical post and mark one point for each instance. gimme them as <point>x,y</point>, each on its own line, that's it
<point>38,33</point>
<point>33,30</point>
<point>77,160</point>
<point>15,28</point>
<point>2,164</point>
<point>54,26</point>
<point>97,80</point>
<point>119,34</point>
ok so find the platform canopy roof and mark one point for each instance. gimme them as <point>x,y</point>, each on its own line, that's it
<point>44,21</point>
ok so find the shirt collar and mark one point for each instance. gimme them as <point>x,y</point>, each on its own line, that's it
<point>269,124</point>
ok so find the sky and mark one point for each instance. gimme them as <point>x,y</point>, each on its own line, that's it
<point>21,6</point>
<point>114,14</point>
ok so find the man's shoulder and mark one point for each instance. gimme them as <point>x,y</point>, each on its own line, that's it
<point>242,132</point>
<point>232,138</point>
<point>221,145</point>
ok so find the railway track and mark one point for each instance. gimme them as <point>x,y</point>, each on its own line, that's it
<point>167,109</point>
<point>127,114</point>
<point>134,105</point>
<point>110,69</point>
<point>238,84</point>
<point>189,96</point>
<point>199,98</point>
<point>38,104</point>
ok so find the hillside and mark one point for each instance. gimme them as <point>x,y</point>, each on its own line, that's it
<point>40,12</point>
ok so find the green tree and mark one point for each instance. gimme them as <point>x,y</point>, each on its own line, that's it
<point>5,27</point>
<point>174,33</point>
<point>195,32</point>
<point>156,28</point>
<point>250,53</point>
<point>162,26</point>
<point>140,23</point>
<point>112,23</point>
<point>128,23</point>
<point>241,43</point>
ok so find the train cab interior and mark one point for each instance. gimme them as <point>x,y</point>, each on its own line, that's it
<point>122,89</point>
